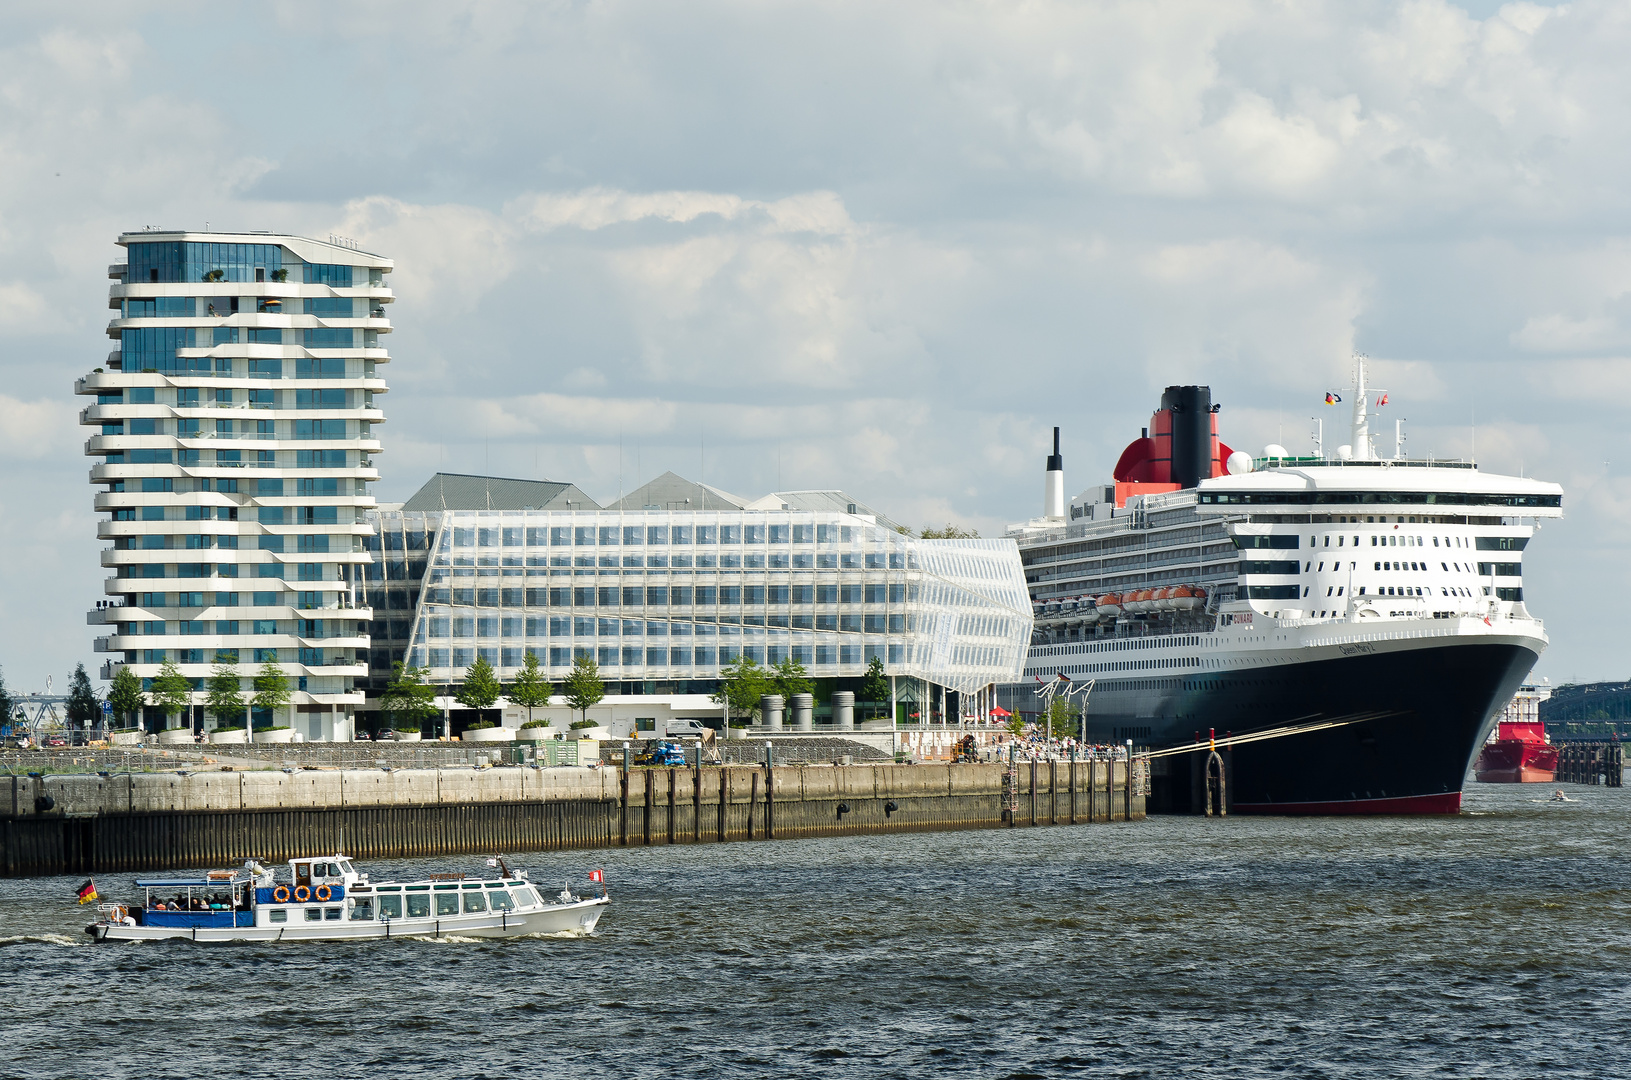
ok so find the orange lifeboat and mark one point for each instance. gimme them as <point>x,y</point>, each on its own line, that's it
<point>1109,604</point>
<point>1189,598</point>
<point>1162,598</point>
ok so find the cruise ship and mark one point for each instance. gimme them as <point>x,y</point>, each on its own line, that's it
<point>1344,625</point>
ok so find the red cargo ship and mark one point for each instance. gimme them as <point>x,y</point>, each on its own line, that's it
<point>1519,754</point>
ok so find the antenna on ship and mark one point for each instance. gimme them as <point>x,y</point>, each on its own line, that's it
<point>1053,486</point>
<point>1363,449</point>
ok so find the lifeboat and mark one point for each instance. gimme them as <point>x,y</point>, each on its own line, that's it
<point>1163,598</point>
<point>1132,601</point>
<point>1189,598</point>
<point>1140,601</point>
<point>1109,605</point>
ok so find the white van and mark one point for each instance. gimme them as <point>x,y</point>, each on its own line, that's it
<point>685,728</point>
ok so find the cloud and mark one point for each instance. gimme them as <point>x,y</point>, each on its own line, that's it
<point>35,430</point>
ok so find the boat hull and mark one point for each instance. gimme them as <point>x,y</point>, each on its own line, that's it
<point>1433,704</point>
<point>576,919</point>
<point>1516,761</point>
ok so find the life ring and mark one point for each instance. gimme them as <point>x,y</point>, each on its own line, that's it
<point>302,893</point>
<point>324,892</point>
<point>280,895</point>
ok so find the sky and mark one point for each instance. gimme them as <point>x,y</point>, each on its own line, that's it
<point>877,247</point>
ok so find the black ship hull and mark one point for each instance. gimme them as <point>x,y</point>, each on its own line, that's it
<point>1434,706</point>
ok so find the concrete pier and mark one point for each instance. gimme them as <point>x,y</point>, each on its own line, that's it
<point>152,821</point>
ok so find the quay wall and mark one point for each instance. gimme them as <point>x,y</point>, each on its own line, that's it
<point>163,821</point>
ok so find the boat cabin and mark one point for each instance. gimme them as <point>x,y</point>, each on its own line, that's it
<point>221,898</point>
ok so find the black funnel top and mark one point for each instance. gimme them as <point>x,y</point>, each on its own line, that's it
<point>1055,462</point>
<point>1191,433</point>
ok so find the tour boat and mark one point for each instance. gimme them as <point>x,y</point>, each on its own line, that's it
<point>328,899</point>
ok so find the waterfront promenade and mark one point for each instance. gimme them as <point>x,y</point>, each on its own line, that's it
<point>198,814</point>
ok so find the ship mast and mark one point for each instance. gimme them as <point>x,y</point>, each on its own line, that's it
<point>1361,423</point>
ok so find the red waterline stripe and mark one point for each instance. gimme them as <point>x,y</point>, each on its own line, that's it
<point>1446,803</point>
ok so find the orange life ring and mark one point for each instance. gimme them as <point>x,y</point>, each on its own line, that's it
<point>324,892</point>
<point>280,895</point>
<point>302,893</point>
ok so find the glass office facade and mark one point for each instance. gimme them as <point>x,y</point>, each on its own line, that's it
<point>671,597</point>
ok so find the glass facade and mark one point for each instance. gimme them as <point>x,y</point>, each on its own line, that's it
<point>674,596</point>
<point>206,468</point>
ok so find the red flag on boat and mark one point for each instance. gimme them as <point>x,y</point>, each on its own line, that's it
<point>1381,401</point>
<point>597,876</point>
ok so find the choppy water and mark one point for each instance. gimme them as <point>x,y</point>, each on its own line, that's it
<point>1496,944</point>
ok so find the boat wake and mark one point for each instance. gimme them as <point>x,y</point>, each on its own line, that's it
<point>43,939</point>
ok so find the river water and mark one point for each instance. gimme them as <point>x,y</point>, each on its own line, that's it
<point>1495,944</point>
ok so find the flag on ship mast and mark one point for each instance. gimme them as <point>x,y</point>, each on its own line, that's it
<point>1381,401</point>
<point>87,891</point>
<point>1332,399</point>
<point>597,876</point>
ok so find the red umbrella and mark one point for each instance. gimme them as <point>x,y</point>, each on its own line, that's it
<point>998,710</point>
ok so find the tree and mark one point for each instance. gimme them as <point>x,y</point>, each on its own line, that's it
<point>789,678</point>
<point>226,700</point>
<point>171,690</point>
<point>875,685</point>
<point>583,686</point>
<point>742,683</point>
<point>481,688</point>
<point>1061,718</point>
<point>125,695</point>
<point>949,532</point>
<point>271,688</point>
<point>410,701</point>
<point>1016,726</point>
<point>84,708</point>
<point>531,690</point>
<point>8,704</point>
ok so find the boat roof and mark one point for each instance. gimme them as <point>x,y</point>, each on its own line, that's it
<point>169,883</point>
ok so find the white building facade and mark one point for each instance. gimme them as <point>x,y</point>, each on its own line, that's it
<point>663,599</point>
<point>233,444</point>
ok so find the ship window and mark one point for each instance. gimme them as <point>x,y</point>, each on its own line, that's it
<point>501,900</point>
<point>390,907</point>
<point>418,905</point>
<point>331,914</point>
<point>278,915</point>
<point>473,902</point>
<point>363,910</point>
<point>447,904</point>
<point>314,914</point>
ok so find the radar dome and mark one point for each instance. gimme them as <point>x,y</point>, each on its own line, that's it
<point>1239,463</point>
<point>1275,450</point>
<point>1345,452</point>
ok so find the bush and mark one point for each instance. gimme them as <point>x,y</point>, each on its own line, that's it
<point>412,729</point>
<point>481,725</point>
<point>237,727</point>
<point>580,724</point>
<point>536,723</point>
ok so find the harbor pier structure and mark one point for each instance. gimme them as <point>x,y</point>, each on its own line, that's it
<point>233,445</point>
<point>153,821</point>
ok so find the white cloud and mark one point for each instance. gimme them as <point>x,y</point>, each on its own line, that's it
<point>34,430</point>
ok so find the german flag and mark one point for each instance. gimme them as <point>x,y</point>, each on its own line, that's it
<point>87,891</point>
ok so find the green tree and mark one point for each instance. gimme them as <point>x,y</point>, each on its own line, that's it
<point>84,707</point>
<point>410,701</point>
<point>1061,718</point>
<point>583,686</point>
<point>481,688</point>
<point>8,704</point>
<point>949,532</point>
<point>742,683</point>
<point>226,700</point>
<point>531,689</point>
<point>789,678</point>
<point>271,688</point>
<point>125,695</point>
<point>1016,726</point>
<point>875,684</point>
<point>171,690</point>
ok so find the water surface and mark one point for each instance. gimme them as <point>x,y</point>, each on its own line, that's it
<point>1495,944</point>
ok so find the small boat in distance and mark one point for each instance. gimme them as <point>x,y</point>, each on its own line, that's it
<point>329,899</point>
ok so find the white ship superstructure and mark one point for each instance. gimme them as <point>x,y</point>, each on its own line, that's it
<point>1204,590</point>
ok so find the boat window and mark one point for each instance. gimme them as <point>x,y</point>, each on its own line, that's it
<point>345,866</point>
<point>473,901</point>
<point>314,914</point>
<point>418,906</point>
<point>278,915</point>
<point>331,914</point>
<point>363,910</point>
<point>447,903</point>
<point>302,870</point>
<point>390,907</point>
<point>500,900</point>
